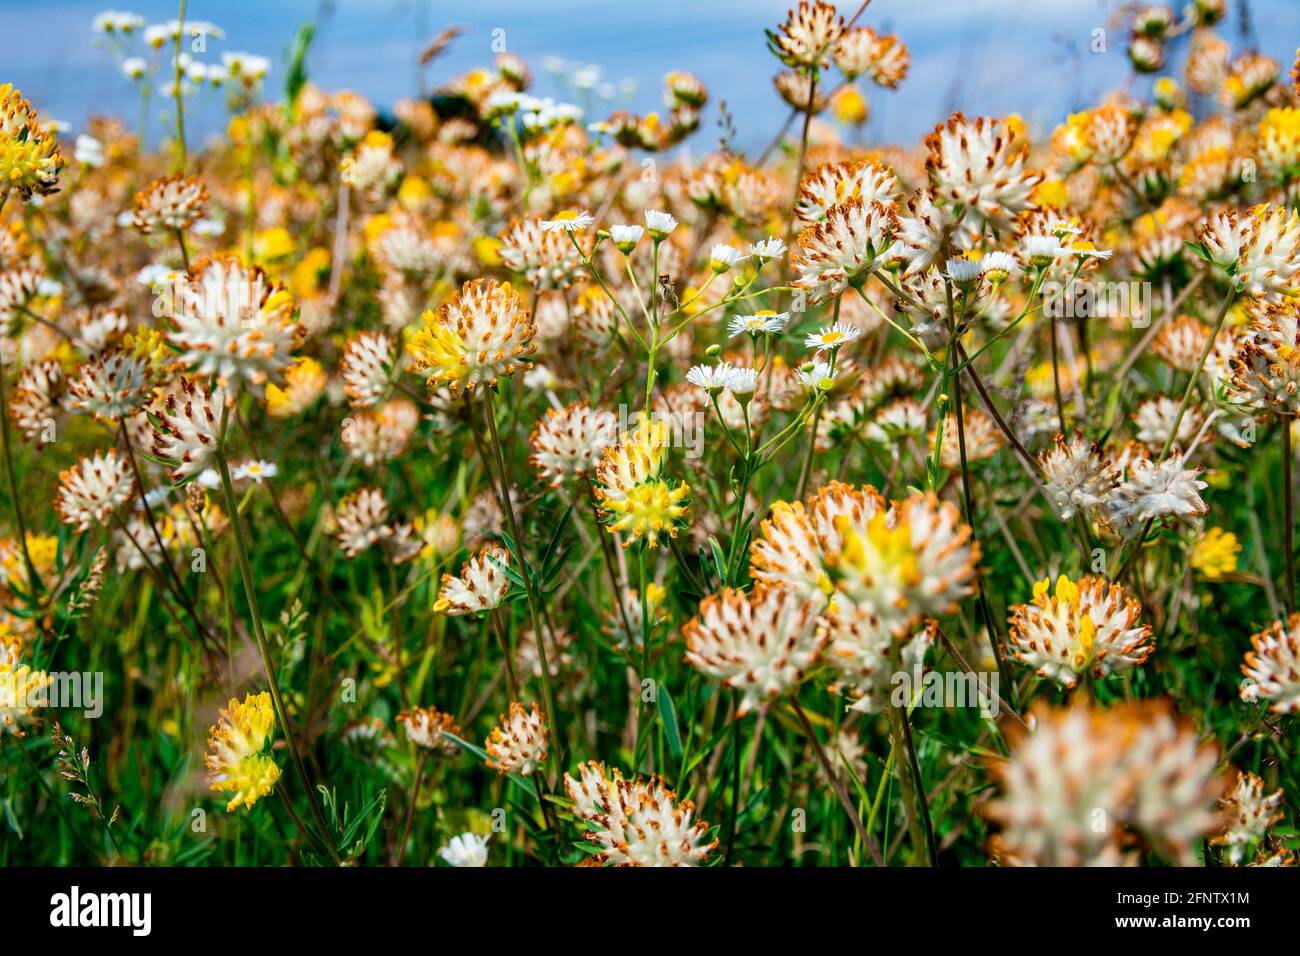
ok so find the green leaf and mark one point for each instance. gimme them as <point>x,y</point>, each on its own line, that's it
<point>668,717</point>
<point>296,75</point>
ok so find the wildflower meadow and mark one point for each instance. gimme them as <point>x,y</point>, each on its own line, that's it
<point>492,477</point>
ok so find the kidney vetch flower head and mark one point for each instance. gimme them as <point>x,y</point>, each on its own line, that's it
<point>518,743</point>
<point>634,498</point>
<point>1089,628</point>
<point>637,822</point>
<point>30,158</point>
<point>482,334</point>
<point>761,643</point>
<point>237,759</point>
<point>234,322</point>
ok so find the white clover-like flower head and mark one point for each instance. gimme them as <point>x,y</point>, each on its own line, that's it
<point>481,586</point>
<point>232,321</point>
<point>189,420</point>
<point>96,487</point>
<point>844,249</point>
<point>761,643</point>
<point>637,822</point>
<point>1079,475</point>
<point>111,386</point>
<point>518,743</point>
<point>1272,667</point>
<point>466,849</point>
<point>1149,773</point>
<point>977,166</point>
<point>571,441</point>
<point>170,205</point>
<point>1089,628</point>
<point>1167,491</point>
<point>365,368</point>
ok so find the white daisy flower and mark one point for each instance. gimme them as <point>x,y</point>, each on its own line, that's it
<point>834,336</point>
<point>626,237</point>
<point>659,223</point>
<point>765,322</point>
<point>89,151</point>
<point>742,381</point>
<point>256,470</point>
<point>568,221</point>
<point>997,267</point>
<point>723,257</point>
<point>963,271</point>
<point>711,378</point>
<point>1041,250</point>
<point>772,248</point>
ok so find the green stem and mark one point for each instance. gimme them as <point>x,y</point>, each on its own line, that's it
<point>259,633</point>
<point>180,98</point>
<point>35,584</point>
<point>836,783</point>
<point>903,744</point>
<point>547,697</point>
<point>1288,515</point>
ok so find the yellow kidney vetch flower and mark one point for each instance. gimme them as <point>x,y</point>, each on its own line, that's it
<point>1279,142</point>
<point>488,250</point>
<point>44,550</point>
<point>414,193</point>
<point>1216,553</point>
<point>30,159</point>
<point>478,336</point>
<point>634,499</point>
<point>238,759</point>
<point>1090,627</point>
<point>374,227</point>
<point>1052,194</point>
<point>309,274</point>
<point>22,690</point>
<point>850,106</point>
<point>304,381</point>
<point>270,245</point>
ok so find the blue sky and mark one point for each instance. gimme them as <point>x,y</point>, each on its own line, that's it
<point>983,56</point>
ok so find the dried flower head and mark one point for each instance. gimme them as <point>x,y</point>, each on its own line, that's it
<point>1079,475</point>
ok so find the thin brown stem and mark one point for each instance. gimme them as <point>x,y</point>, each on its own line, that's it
<point>836,783</point>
